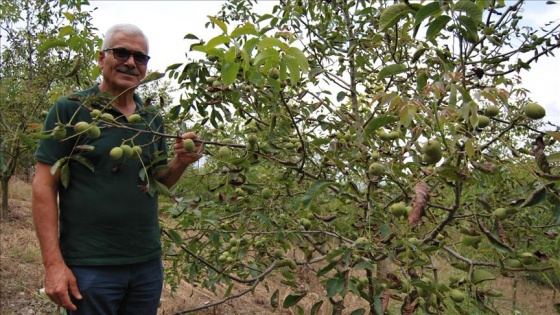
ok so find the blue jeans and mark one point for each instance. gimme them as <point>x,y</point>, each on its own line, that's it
<point>119,290</point>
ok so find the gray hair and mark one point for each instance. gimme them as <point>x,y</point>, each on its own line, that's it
<point>128,29</point>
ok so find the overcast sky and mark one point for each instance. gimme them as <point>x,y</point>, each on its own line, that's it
<point>167,22</point>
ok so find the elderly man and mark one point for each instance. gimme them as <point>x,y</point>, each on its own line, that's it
<point>95,215</point>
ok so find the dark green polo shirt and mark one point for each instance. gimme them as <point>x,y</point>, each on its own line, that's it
<point>107,217</point>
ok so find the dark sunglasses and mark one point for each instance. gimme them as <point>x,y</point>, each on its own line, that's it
<point>122,54</point>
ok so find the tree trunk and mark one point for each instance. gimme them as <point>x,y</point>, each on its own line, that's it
<point>5,211</point>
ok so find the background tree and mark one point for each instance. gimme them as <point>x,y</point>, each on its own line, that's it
<point>369,143</point>
<point>47,51</point>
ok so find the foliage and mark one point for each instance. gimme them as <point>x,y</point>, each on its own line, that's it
<point>358,140</point>
<point>44,47</point>
<point>307,97</point>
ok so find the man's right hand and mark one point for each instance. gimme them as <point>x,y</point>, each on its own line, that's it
<point>59,284</point>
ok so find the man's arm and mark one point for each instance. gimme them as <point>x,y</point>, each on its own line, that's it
<point>59,280</point>
<point>181,161</point>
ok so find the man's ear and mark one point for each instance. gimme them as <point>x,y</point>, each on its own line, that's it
<point>101,59</point>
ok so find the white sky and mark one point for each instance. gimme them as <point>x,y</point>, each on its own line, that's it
<point>167,22</point>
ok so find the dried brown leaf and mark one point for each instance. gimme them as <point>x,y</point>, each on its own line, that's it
<point>421,198</point>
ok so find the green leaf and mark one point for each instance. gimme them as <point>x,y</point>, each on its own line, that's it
<point>379,122</point>
<point>266,55</point>
<point>219,22</point>
<point>421,81</point>
<point>218,40</point>
<point>299,57</point>
<point>84,161</point>
<point>56,166</point>
<point>359,311</point>
<point>52,44</point>
<point>453,96</point>
<point>340,96</point>
<point>436,26</point>
<point>65,175</point>
<point>69,16</point>
<point>161,188</point>
<point>470,27</point>
<point>229,73</point>
<point>190,36</point>
<point>425,12</point>
<point>554,157</point>
<point>316,308</point>
<point>553,134</point>
<point>470,8</point>
<point>480,275</point>
<point>391,70</point>
<point>274,299</point>
<point>335,285</point>
<point>246,29</point>
<point>152,76</point>
<point>293,299</point>
<point>293,66</point>
<point>556,213</point>
<point>536,197</point>
<point>175,237</point>
<point>41,135</point>
<point>314,190</point>
<point>391,15</point>
<point>268,42</point>
<point>327,268</point>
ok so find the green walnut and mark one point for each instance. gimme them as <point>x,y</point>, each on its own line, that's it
<point>393,135</point>
<point>398,209</point>
<point>534,111</point>
<point>306,223</point>
<point>224,152</point>
<point>116,153</point>
<point>94,132</point>
<point>500,213</point>
<point>95,113</point>
<point>492,111</point>
<point>59,132</point>
<point>457,296</point>
<point>376,169</point>
<point>188,145</point>
<point>361,241</point>
<point>107,117</point>
<point>483,121</point>
<point>137,150</point>
<point>274,73</point>
<point>252,139</point>
<point>266,193</point>
<point>217,84</point>
<point>134,119</point>
<point>81,126</point>
<point>432,151</point>
<point>127,150</point>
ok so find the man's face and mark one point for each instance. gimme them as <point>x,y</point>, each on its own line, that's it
<point>120,75</point>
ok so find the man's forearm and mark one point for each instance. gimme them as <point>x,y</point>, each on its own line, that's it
<point>45,216</point>
<point>172,174</point>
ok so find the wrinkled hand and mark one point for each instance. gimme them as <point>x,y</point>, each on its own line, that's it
<point>185,157</point>
<point>59,284</point>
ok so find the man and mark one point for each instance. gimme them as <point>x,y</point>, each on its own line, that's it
<point>96,217</point>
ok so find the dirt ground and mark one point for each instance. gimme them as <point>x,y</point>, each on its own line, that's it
<point>21,277</point>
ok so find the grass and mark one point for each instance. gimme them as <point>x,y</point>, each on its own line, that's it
<point>21,275</point>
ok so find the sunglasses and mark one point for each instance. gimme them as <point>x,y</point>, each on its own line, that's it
<point>122,54</point>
